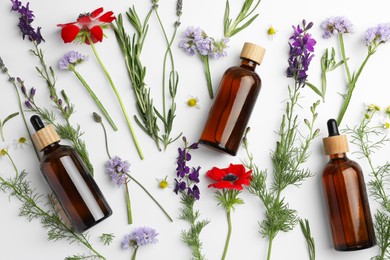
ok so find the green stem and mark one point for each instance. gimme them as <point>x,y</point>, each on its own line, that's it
<point>150,195</point>
<point>206,64</point>
<point>128,205</point>
<point>134,254</point>
<point>228,234</point>
<point>119,99</point>
<point>271,239</point>
<point>351,87</point>
<point>342,48</point>
<point>95,98</point>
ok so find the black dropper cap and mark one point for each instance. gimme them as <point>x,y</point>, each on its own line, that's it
<point>37,123</point>
<point>333,128</point>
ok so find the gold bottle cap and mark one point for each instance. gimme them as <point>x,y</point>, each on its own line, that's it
<point>45,137</point>
<point>335,144</point>
<point>253,52</point>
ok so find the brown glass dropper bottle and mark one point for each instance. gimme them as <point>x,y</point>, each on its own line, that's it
<point>75,189</point>
<point>345,192</point>
<point>234,102</point>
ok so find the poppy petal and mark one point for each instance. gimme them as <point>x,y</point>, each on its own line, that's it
<point>215,174</point>
<point>96,34</point>
<point>95,13</point>
<point>236,169</point>
<point>69,32</point>
<point>107,17</point>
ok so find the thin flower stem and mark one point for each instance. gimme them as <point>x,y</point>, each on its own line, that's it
<point>271,239</point>
<point>134,254</point>
<point>118,97</point>
<point>342,48</point>
<point>150,195</point>
<point>228,234</point>
<point>205,60</point>
<point>24,116</point>
<point>13,164</point>
<point>128,204</point>
<point>96,99</point>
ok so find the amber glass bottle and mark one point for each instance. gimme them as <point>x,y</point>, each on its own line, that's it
<point>345,192</point>
<point>234,102</point>
<point>75,189</point>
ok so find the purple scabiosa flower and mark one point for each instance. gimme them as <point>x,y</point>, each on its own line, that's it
<point>118,170</point>
<point>187,177</point>
<point>139,237</point>
<point>71,59</point>
<point>25,20</point>
<point>219,48</point>
<point>301,53</point>
<point>377,35</point>
<point>336,25</point>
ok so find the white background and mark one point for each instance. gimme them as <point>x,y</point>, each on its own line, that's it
<point>20,239</point>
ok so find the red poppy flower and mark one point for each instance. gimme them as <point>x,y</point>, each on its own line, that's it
<point>230,178</point>
<point>88,24</point>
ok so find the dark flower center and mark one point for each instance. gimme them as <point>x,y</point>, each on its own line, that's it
<point>230,177</point>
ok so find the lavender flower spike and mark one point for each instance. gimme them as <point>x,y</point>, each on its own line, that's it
<point>336,25</point>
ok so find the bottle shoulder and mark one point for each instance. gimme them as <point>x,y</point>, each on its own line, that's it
<point>240,71</point>
<point>57,151</point>
<point>340,165</point>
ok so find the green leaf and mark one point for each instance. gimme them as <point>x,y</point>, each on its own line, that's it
<point>314,88</point>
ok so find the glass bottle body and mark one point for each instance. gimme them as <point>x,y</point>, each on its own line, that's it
<point>348,207</point>
<point>75,189</point>
<point>233,105</point>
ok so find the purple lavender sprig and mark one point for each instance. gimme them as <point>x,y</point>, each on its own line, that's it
<point>373,37</point>
<point>301,53</point>
<point>197,41</point>
<point>141,236</point>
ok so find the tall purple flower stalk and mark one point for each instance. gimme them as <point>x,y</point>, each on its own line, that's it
<point>25,20</point>
<point>187,178</point>
<point>301,53</point>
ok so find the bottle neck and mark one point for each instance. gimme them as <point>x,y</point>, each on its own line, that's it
<point>51,147</point>
<point>248,64</point>
<point>338,156</point>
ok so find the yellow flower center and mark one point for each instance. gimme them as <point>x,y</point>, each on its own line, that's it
<point>22,140</point>
<point>191,102</point>
<point>271,31</point>
<point>163,184</point>
<point>386,125</point>
<point>3,152</point>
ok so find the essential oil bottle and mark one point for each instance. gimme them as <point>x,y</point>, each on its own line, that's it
<point>73,186</point>
<point>345,192</point>
<point>234,102</point>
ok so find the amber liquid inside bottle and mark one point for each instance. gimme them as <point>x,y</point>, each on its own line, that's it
<point>348,206</point>
<point>74,187</point>
<point>234,102</point>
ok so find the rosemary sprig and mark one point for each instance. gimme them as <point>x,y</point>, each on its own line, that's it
<point>233,27</point>
<point>370,139</point>
<point>19,188</point>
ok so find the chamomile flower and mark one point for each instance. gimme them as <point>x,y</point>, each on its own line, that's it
<point>21,142</point>
<point>387,110</point>
<point>3,152</point>
<point>271,32</point>
<point>373,107</point>
<point>386,123</point>
<point>163,183</point>
<point>193,102</point>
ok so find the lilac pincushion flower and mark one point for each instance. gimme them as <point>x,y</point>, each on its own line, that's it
<point>301,53</point>
<point>336,25</point>
<point>118,170</point>
<point>377,35</point>
<point>139,237</point>
<point>71,59</point>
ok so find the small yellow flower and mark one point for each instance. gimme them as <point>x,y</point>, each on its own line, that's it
<point>271,32</point>
<point>386,124</point>
<point>21,142</point>
<point>387,110</point>
<point>193,102</point>
<point>163,183</point>
<point>3,152</point>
